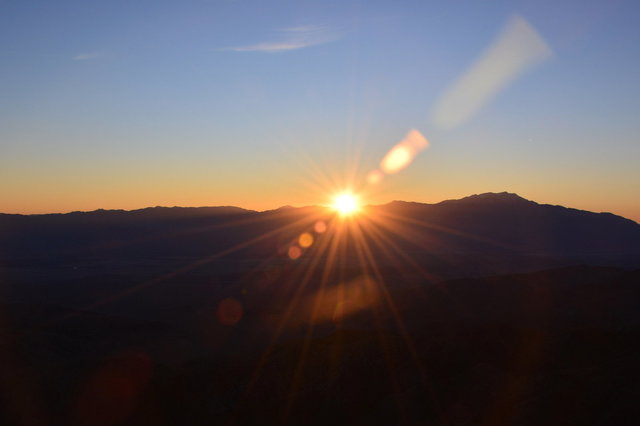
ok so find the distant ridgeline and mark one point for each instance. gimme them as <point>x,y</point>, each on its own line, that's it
<point>487,233</point>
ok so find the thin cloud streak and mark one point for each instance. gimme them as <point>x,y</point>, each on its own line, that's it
<point>87,56</point>
<point>295,38</point>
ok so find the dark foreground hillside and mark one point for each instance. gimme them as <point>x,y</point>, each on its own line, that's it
<point>555,347</point>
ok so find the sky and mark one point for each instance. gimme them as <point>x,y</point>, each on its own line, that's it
<point>258,104</point>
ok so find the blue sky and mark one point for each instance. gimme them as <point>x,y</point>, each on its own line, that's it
<point>118,104</point>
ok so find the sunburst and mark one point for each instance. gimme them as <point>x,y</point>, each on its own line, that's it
<point>346,204</point>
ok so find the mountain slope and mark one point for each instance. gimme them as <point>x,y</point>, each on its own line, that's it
<point>483,226</point>
<point>508,221</point>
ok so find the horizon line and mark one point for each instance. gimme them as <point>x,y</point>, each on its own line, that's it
<point>248,209</point>
<point>512,194</point>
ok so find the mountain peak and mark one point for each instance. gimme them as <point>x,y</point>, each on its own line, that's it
<point>493,197</point>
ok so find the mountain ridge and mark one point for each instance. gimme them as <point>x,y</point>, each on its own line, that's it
<point>500,230</point>
<point>473,199</point>
<point>504,198</point>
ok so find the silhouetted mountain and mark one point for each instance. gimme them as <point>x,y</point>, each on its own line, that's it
<point>507,221</point>
<point>481,225</point>
<point>489,310</point>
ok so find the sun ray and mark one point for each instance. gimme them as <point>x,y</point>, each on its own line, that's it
<point>394,217</point>
<point>199,262</point>
<point>394,310</point>
<point>289,311</point>
<point>367,265</point>
<point>400,323</point>
<point>307,338</point>
<point>385,244</point>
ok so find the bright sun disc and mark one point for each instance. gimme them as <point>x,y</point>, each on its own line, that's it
<point>345,204</point>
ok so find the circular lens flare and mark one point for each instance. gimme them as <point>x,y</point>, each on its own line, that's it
<point>345,204</point>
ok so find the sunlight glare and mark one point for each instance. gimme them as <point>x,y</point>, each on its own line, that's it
<point>346,204</point>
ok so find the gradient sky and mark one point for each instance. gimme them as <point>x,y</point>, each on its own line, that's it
<point>129,104</point>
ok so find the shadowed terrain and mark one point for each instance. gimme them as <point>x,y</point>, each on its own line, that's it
<point>490,310</point>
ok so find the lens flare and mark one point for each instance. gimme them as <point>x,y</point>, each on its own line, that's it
<point>305,240</point>
<point>518,48</point>
<point>229,311</point>
<point>320,227</point>
<point>294,252</point>
<point>401,155</point>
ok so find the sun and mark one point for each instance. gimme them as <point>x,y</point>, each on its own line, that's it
<point>346,204</point>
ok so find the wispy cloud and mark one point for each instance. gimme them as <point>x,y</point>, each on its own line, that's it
<point>87,56</point>
<point>292,38</point>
